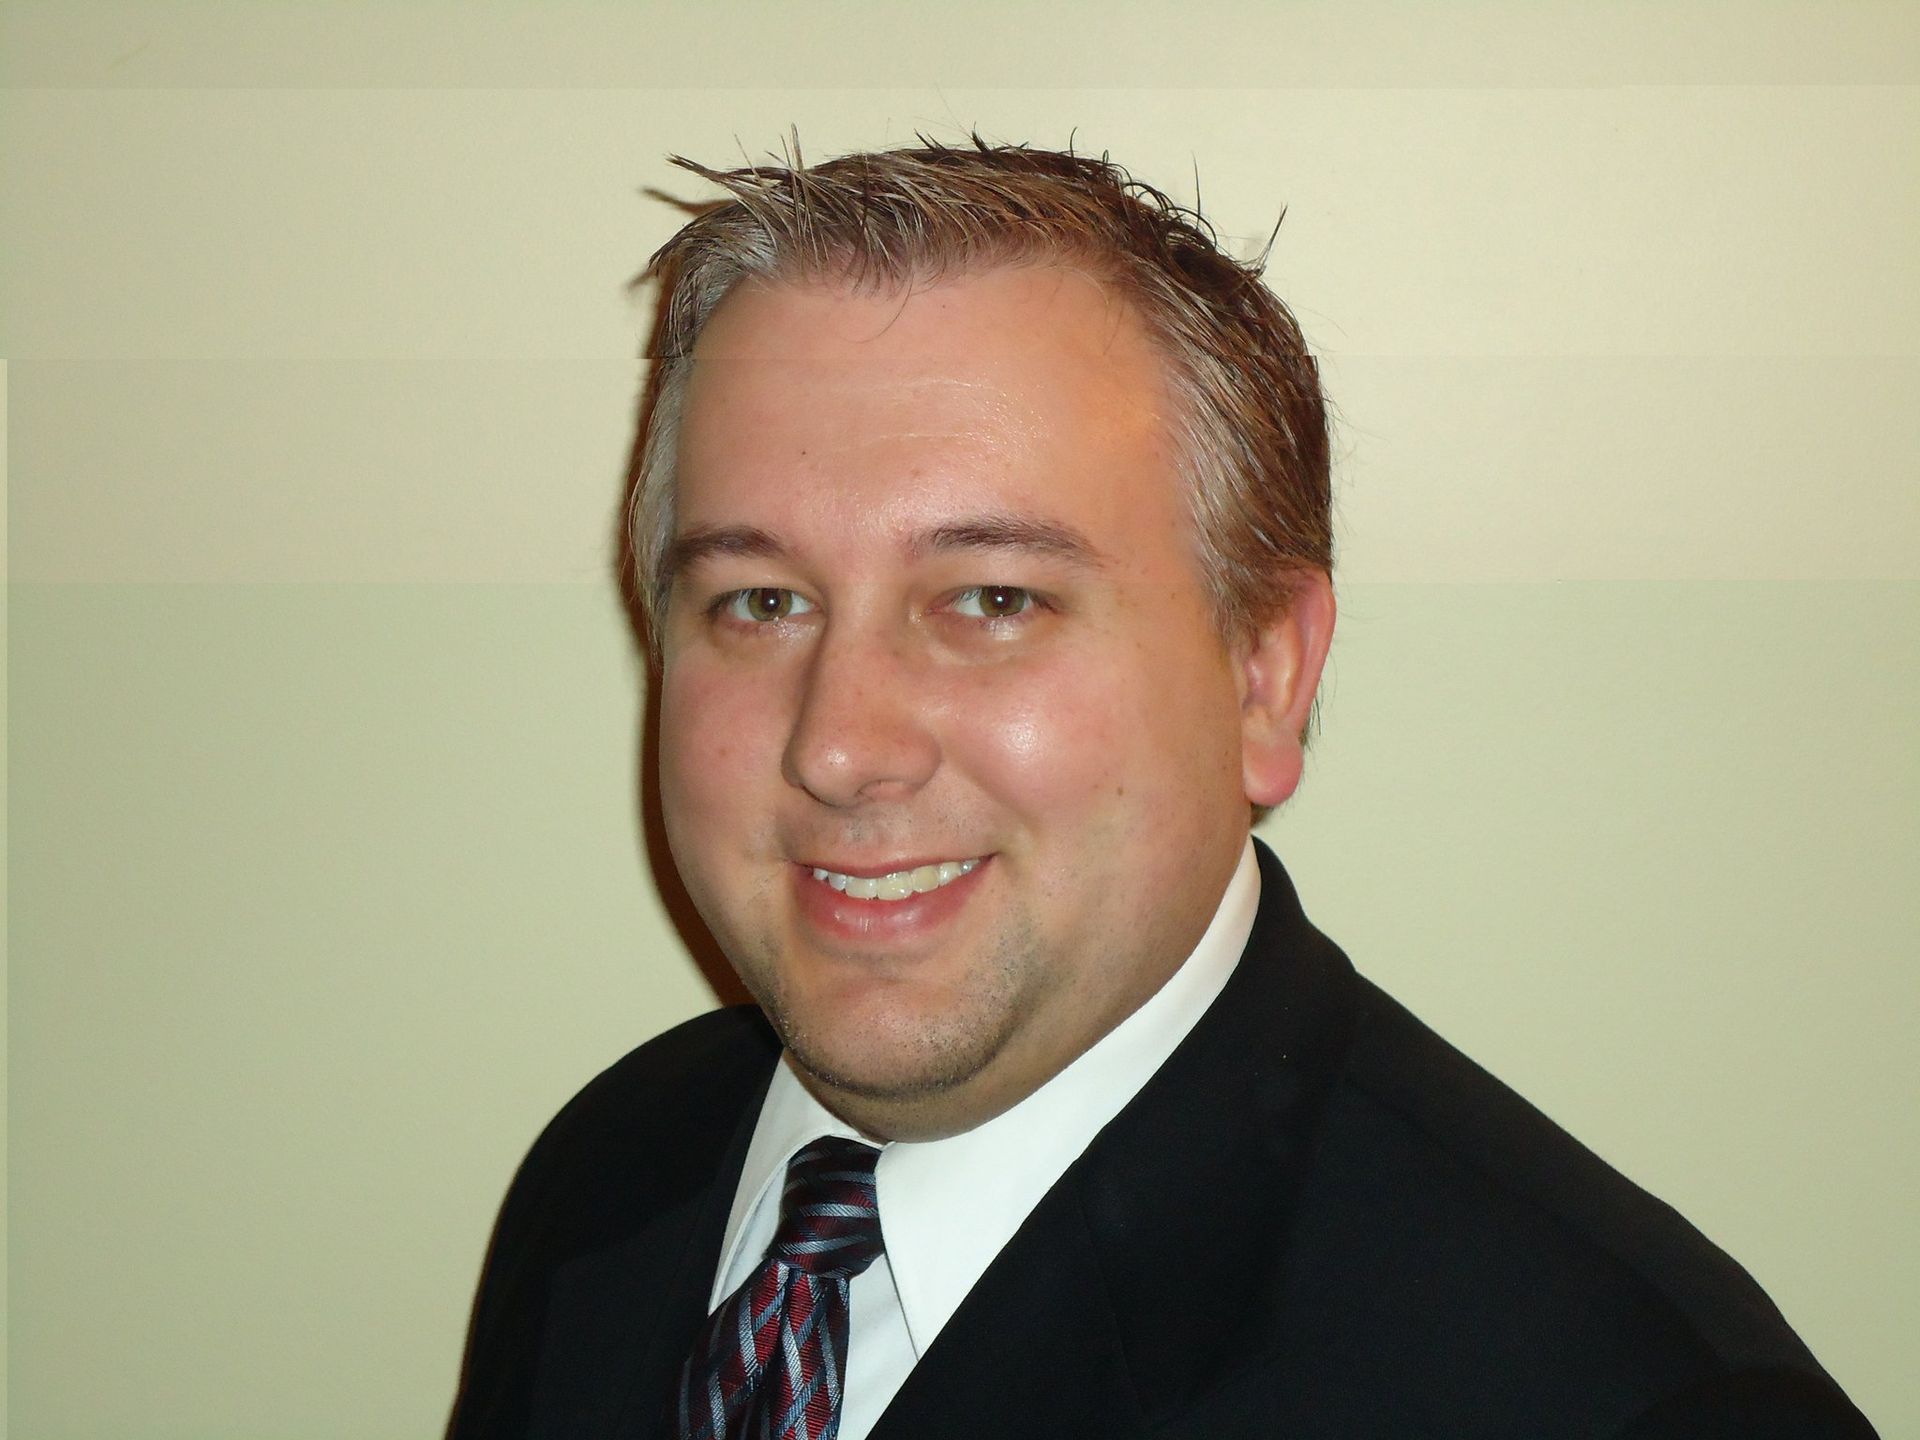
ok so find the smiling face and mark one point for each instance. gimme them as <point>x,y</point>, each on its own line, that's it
<point>954,761</point>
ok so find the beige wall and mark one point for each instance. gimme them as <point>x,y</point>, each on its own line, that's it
<point>325,881</point>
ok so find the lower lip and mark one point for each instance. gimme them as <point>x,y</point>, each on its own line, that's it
<point>841,916</point>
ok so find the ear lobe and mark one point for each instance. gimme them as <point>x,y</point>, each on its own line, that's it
<point>1279,673</point>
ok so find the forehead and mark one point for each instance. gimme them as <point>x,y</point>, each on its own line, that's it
<point>951,315</point>
<point>1036,383</point>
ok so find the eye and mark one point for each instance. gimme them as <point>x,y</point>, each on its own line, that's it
<point>993,602</point>
<point>762,605</point>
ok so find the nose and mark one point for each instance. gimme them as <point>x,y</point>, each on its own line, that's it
<point>862,731</point>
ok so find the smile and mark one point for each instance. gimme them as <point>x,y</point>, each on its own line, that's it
<point>898,884</point>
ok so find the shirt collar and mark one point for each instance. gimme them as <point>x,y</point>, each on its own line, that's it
<point>948,1207</point>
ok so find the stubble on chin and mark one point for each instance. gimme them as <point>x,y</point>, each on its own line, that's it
<point>911,1057</point>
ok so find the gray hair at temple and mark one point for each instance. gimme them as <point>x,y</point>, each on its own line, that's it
<point>1250,426</point>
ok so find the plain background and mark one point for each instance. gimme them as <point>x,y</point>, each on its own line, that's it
<point>326,880</point>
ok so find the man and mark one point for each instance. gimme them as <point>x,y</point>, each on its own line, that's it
<point>983,531</point>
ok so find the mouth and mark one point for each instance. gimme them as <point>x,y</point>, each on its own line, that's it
<point>894,886</point>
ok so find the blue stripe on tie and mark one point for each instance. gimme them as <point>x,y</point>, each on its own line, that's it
<point>828,1231</point>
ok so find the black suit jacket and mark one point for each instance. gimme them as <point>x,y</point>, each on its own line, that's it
<point>1317,1220</point>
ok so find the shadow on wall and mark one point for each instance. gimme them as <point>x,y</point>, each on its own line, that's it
<point>692,930</point>
<point>714,967</point>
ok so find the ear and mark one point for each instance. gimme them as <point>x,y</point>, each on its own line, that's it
<point>1280,666</point>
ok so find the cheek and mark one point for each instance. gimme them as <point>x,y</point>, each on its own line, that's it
<point>1145,729</point>
<point>714,732</point>
<point>1043,739</point>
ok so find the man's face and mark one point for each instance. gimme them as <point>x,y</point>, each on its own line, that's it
<point>936,611</point>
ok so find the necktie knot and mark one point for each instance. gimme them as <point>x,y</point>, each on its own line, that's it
<point>829,1212</point>
<point>770,1362</point>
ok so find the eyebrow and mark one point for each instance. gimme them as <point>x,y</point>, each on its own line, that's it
<point>969,533</point>
<point>1011,532</point>
<point>706,542</point>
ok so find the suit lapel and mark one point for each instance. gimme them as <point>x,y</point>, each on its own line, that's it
<point>1149,1275</point>
<point>622,1319</point>
<point>1026,1354</point>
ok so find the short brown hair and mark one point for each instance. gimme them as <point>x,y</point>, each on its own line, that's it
<point>1250,423</point>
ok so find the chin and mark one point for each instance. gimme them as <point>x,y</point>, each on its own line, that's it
<point>891,1056</point>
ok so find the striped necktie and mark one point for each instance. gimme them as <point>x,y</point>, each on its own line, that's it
<point>770,1362</point>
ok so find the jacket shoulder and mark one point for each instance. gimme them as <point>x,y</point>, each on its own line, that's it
<point>657,1110</point>
<point>643,1140</point>
<point>715,1050</point>
<point>1510,1249</point>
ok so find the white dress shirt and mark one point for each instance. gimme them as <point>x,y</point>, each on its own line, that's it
<point>947,1207</point>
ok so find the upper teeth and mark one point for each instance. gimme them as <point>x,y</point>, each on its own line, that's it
<point>898,885</point>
